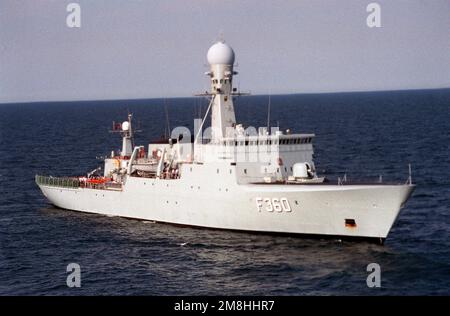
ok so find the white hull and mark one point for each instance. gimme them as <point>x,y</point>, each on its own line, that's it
<point>211,181</point>
<point>313,209</point>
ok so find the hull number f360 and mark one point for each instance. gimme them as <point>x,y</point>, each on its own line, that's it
<point>273,204</point>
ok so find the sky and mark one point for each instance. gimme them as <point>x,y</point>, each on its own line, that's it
<point>152,49</point>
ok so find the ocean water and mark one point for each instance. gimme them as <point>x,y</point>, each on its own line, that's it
<point>362,135</point>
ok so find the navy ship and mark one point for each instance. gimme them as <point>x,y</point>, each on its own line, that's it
<point>228,176</point>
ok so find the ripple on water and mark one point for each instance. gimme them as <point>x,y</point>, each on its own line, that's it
<point>119,256</point>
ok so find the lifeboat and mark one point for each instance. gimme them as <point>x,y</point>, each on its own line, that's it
<point>98,180</point>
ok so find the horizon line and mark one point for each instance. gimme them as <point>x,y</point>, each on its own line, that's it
<point>193,96</point>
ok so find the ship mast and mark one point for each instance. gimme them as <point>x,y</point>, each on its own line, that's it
<point>127,137</point>
<point>221,59</point>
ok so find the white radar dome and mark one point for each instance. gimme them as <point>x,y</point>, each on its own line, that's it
<point>300,169</point>
<point>125,126</point>
<point>220,53</point>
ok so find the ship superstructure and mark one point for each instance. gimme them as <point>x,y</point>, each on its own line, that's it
<point>228,176</point>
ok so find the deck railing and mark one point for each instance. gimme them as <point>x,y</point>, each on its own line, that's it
<point>57,182</point>
<point>66,182</point>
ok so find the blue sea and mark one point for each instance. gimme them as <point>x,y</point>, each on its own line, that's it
<point>362,135</point>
